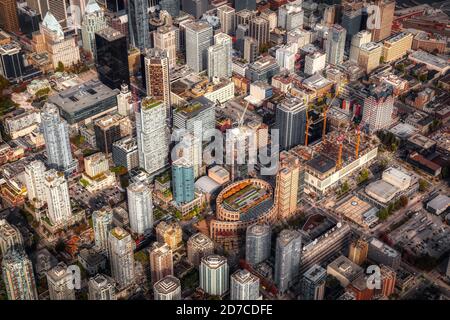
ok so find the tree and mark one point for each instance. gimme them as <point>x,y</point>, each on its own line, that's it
<point>363,176</point>
<point>383,214</point>
<point>4,83</point>
<point>403,201</point>
<point>60,67</point>
<point>423,185</point>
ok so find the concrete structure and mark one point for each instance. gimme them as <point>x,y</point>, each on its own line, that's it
<point>358,251</point>
<point>380,252</point>
<point>102,225</point>
<point>18,276</point>
<point>315,62</point>
<point>291,121</point>
<point>244,286</point>
<point>165,38</point>
<point>168,288</point>
<point>161,261</point>
<point>138,30</point>
<point>101,287</point>
<point>121,256</point>
<point>219,57</point>
<point>386,12</point>
<point>397,46</point>
<point>169,233</point>
<point>259,29</point>
<point>125,153</point>
<point>60,283</point>
<point>369,56</point>
<point>140,208</point>
<point>10,237</point>
<point>378,107</point>
<point>199,246</point>
<point>362,37</point>
<point>288,187</point>
<point>93,20</point>
<point>57,197</point>
<point>34,180</point>
<point>439,204</point>
<point>201,38</point>
<point>183,181</point>
<point>290,16</point>
<point>313,283</point>
<point>287,258</point>
<point>227,16</point>
<point>257,243</point>
<point>335,45</point>
<point>214,275</point>
<point>344,270</point>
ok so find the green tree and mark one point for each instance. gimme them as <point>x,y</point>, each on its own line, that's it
<point>423,185</point>
<point>403,201</point>
<point>383,214</point>
<point>60,67</point>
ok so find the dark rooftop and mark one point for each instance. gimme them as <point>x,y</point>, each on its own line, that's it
<point>321,163</point>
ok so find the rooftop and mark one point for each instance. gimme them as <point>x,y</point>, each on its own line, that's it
<point>321,163</point>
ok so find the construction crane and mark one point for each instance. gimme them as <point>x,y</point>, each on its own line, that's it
<point>241,119</point>
<point>340,139</point>
<point>325,110</point>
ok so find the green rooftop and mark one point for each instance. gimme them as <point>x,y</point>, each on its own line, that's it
<point>149,103</point>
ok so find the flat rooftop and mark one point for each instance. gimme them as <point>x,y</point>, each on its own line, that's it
<point>321,163</point>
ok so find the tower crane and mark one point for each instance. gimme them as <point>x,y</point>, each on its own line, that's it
<point>325,110</point>
<point>340,140</point>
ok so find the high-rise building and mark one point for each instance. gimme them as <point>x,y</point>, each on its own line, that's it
<point>369,56</point>
<point>161,261</point>
<point>60,283</point>
<point>165,38</point>
<point>140,208</point>
<point>121,257</point>
<point>244,286</point>
<point>183,181</point>
<point>199,246</point>
<point>56,137</point>
<point>190,148</point>
<point>286,58</point>
<point>171,6</point>
<point>335,44</point>
<point>138,23</point>
<point>227,16</point>
<point>124,101</point>
<point>112,58</point>
<point>313,283</point>
<point>291,122</point>
<point>257,243</point>
<point>57,197</point>
<point>251,49</point>
<point>287,188</point>
<point>108,129</point>
<point>396,46</point>
<point>168,288</point>
<point>93,20</point>
<point>157,80</point>
<point>378,107</point>
<point>287,258</point>
<point>290,16</point>
<point>18,276</point>
<point>152,136</point>
<point>214,275</point>
<point>196,118</point>
<point>200,38</point>
<point>195,7</point>
<point>8,15</point>
<point>95,164</point>
<point>386,11</point>
<point>102,225</point>
<point>12,66</point>
<point>388,279</point>
<point>381,253</point>
<point>34,180</point>
<point>101,287</point>
<point>245,4</point>
<point>259,29</point>
<point>125,153</point>
<point>315,62</point>
<point>10,237</point>
<point>169,233</point>
<point>358,251</point>
<point>219,57</point>
<point>115,5</point>
<point>352,18</point>
<point>358,40</point>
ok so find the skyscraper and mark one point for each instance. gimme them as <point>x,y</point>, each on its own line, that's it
<point>358,251</point>
<point>219,57</point>
<point>60,283</point>
<point>140,208</point>
<point>335,44</point>
<point>227,16</point>
<point>8,15</point>
<point>287,188</point>
<point>57,143</point>
<point>18,276</point>
<point>244,286</point>
<point>112,58</point>
<point>93,20</point>
<point>183,181</point>
<point>138,23</point>
<point>34,180</point>
<point>199,246</point>
<point>313,283</point>
<point>171,6</point>
<point>200,38</point>
<point>245,4</point>
<point>387,9</point>
<point>190,148</point>
<point>168,288</point>
<point>259,29</point>
<point>290,16</point>
<point>170,233</point>
<point>165,38</point>
<point>378,107</point>
<point>152,136</point>
<point>124,101</point>
<point>157,80</point>
<point>10,237</point>
<point>251,50</point>
<point>195,7</point>
<point>101,287</point>
<point>57,197</point>
<point>108,129</point>
<point>121,257</point>
<point>291,122</point>
<point>351,18</point>
<point>161,261</point>
<point>214,275</point>
<point>287,258</point>
<point>102,224</point>
<point>196,117</point>
<point>358,40</point>
<point>257,243</point>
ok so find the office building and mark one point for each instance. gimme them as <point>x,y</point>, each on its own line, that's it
<point>200,35</point>
<point>60,282</point>
<point>125,153</point>
<point>290,16</point>
<point>378,107</point>
<point>102,225</point>
<point>161,261</point>
<point>34,181</point>
<point>101,287</point>
<point>251,49</point>
<point>358,251</point>
<point>165,38</point>
<point>286,58</point>
<point>358,40</point>
<point>199,246</point>
<point>287,258</point>
<point>8,16</point>
<point>259,29</point>
<point>18,276</point>
<point>288,187</point>
<point>291,122</point>
<point>244,286</point>
<point>344,270</point>
<point>190,148</point>
<point>156,75</point>
<point>124,101</point>
<point>29,19</point>
<point>388,280</point>
<point>140,208</point>
<point>227,16</point>
<point>257,243</point>
<point>195,8</point>
<point>112,58</point>
<point>183,181</point>
<point>262,69</point>
<point>121,257</point>
<point>315,62</point>
<point>219,57</point>
<point>335,45</point>
<point>152,136</point>
<point>352,14</point>
<point>197,117</point>
<point>313,283</point>
<point>109,129</point>
<point>169,233</point>
<point>12,66</point>
<point>168,288</point>
<point>56,137</point>
<point>94,20</point>
<point>171,6</point>
<point>381,253</point>
<point>10,237</point>
<point>396,46</point>
<point>214,275</point>
<point>245,5</point>
<point>369,56</point>
<point>115,5</point>
<point>386,12</point>
<point>57,197</point>
<point>97,175</point>
<point>138,24</point>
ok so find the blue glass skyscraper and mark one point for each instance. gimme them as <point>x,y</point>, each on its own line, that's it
<point>138,23</point>
<point>183,181</point>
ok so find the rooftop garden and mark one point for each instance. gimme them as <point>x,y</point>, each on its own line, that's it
<point>150,103</point>
<point>164,178</point>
